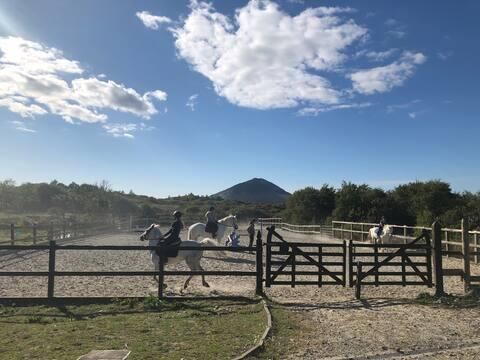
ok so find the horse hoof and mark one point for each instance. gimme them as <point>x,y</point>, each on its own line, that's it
<point>206,284</point>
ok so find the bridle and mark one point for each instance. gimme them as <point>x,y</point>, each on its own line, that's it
<point>142,238</point>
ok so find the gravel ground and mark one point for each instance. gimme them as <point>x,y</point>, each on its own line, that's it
<point>385,323</point>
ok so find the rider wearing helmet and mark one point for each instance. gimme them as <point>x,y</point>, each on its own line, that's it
<point>173,235</point>
<point>211,226</point>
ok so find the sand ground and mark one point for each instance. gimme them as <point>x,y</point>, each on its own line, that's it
<point>386,323</point>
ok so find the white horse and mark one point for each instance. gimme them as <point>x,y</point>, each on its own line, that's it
<point>197,231</point>
<point>384,238</point>
<point>191,257</point>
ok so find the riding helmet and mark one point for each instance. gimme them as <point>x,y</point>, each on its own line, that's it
<point>177,213</point>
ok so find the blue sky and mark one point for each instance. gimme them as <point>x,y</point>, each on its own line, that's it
<point>173,97</point>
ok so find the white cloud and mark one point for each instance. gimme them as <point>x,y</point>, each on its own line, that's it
<point>378,55</point>
<point>399,34</point>
<point>445,55</point>
<point>125,129</point>
<point>152,21</point>
<point>265,58</point>
<point>391,22</point>
<point>21,126</point>
<point>392,108</point>
<point>35,80</point>
<point>385,78</point>
<point>314,111</point>
<point>192,101</point>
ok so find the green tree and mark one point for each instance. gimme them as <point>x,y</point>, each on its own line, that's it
<point>310,205</point>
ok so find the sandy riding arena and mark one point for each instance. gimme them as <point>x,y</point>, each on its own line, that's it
<point>309,322</point>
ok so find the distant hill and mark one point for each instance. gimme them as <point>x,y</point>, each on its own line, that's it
<point>255,191</point>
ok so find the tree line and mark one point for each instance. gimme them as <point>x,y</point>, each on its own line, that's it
<point>98,202</point>
<point>417,203</point>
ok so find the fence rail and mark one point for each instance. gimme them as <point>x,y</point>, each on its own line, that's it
<point>451,238</point>
<point>41,233</point>
<point>53,248</point>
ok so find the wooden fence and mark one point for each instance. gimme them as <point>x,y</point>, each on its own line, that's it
<point>52,273</point>
<point>319,262</point>
<point>403,264</point>
<point>15,234</point>
<point>324,230</point>
<point>452,239</point>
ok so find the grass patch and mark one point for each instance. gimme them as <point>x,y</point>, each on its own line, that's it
<point>285,337</point>
<point>164,329</point>
<point>471,299</point>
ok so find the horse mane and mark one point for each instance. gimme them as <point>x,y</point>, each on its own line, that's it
<point>226,218</point>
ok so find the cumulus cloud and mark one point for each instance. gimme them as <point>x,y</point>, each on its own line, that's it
<point>264,58</point>
<point>152,21</point>
<point>125,130</point>
<point>192,101</point>
<point>385,78</point>
<point>35,80</point>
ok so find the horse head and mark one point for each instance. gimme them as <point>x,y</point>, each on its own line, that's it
<point>151,233</point>
<point>230,220</point>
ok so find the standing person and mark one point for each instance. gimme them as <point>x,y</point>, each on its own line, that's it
<point>381,224</point>
<point>251,232</point>
<point>211,226</point>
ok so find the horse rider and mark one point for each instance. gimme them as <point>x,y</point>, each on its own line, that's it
<point>212,225</point>
<point>381,224</point>
<point>172,236</point>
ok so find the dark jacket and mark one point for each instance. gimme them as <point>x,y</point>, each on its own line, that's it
<point>173,235</point>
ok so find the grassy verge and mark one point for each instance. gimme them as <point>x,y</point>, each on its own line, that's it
<point>151,329</point>
<point>286,335</point>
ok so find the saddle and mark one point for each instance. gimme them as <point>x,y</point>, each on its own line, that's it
<point>170,252</point>
<point>211,228</point>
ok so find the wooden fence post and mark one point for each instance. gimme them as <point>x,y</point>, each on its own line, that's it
<point>51,269</point>
<point>160,275</point>
<point>350,263</point>
<point>363,237</point>
<point>446,242</point>
<point>259,263</point>
<point>358,286</point>
<point>351,231</point>
<point>64,228</point>
<point>268,263</point>
<point>466,255</point>
<point>50,231</point>
<point>12,234</point>
<point>475,238</point>
<point>428,256</point>
<point>34,233</point>
<point>405,234</point>
<point>437,258</point>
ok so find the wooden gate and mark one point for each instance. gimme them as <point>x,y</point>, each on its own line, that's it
<point>402,264</point>
<point>301,263</point>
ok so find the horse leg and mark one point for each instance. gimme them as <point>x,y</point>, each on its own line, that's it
<point>187,282</point>
<point>204,282</point>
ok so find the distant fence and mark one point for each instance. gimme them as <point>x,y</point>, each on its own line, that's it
<point>36,233</point>
<point>295,228</point>
<point>451,238</point>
